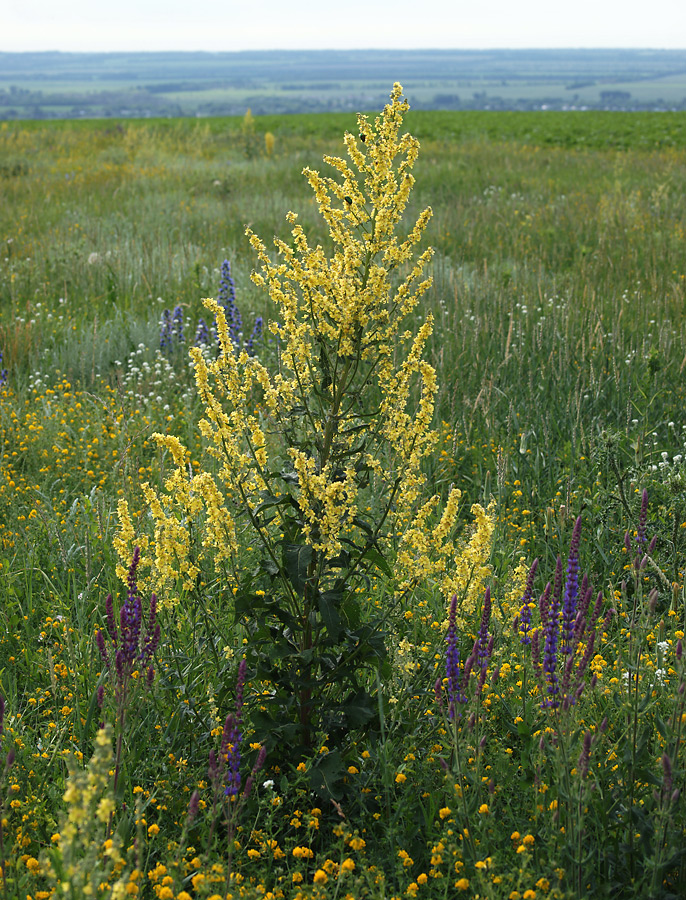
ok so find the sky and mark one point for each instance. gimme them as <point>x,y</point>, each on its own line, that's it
<point>223,25</point>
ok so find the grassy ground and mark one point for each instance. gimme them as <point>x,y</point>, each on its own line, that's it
<point>558,298</point>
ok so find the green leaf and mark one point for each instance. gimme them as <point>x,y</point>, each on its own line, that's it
<point>375,557</point>
<point>328,601</point>
<point>296,561</point>
<point>325,774</point>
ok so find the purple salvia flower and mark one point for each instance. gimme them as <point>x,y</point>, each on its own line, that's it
<point>552,635</point>
<point>232,737</point>
<point>193,806</point>
<point>579,629</point>
<point>679,649</point>
<point>597,609</point>
<point>100,695</point>
<point>119,667</point>
<point>150,676</point>
<point>571,589</point>
<point>566,678</point>
<point>468,666</point>
<point>585,659</point>
<point>484,665</point>
<point>525,609</point>
<point>213,769</point>
<point>438,692</point>
<point>452,659</point>
<point>100,642</point>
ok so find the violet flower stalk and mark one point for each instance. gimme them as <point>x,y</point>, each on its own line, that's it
<point>569,605</point>
<point>232,737</point>
<point>452,660</point>
<point>132,646</point>
<point>552,634</point>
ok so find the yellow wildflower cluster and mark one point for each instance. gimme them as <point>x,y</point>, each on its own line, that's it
<point>340,420</point>
<point>80,862</point>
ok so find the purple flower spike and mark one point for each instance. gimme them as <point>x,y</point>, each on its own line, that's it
<point>100,642</point>
<point>552,635</point>
<point>571,589</point>
<point>230,752</point>
<point>129,650</point>
<point>452,659</point>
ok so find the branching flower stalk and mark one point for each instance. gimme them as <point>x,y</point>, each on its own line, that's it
<point>225,774</point>
<point>132,647</point>
<point>319,464</point>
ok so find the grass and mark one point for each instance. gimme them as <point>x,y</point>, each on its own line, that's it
<point>559,345</point>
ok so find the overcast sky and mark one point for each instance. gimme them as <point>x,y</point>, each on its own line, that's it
<point>82,25</point>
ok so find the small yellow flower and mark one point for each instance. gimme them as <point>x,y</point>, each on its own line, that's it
<point>529,895</point>
<point>445,812</point>
<point>302,767</point>
<point>320,877</point>
<point>462,884</point>
<point>483,809</point>
<point>400,778</point>
<point>153,830</point>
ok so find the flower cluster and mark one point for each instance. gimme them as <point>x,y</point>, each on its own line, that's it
<point>132,647</point>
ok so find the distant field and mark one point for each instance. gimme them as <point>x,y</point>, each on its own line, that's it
<point>591,129</point>
<point>64,85</point>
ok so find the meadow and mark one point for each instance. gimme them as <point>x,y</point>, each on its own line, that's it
<point>413,634</point>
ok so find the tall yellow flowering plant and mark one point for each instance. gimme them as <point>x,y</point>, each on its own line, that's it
<point>319,462</point>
